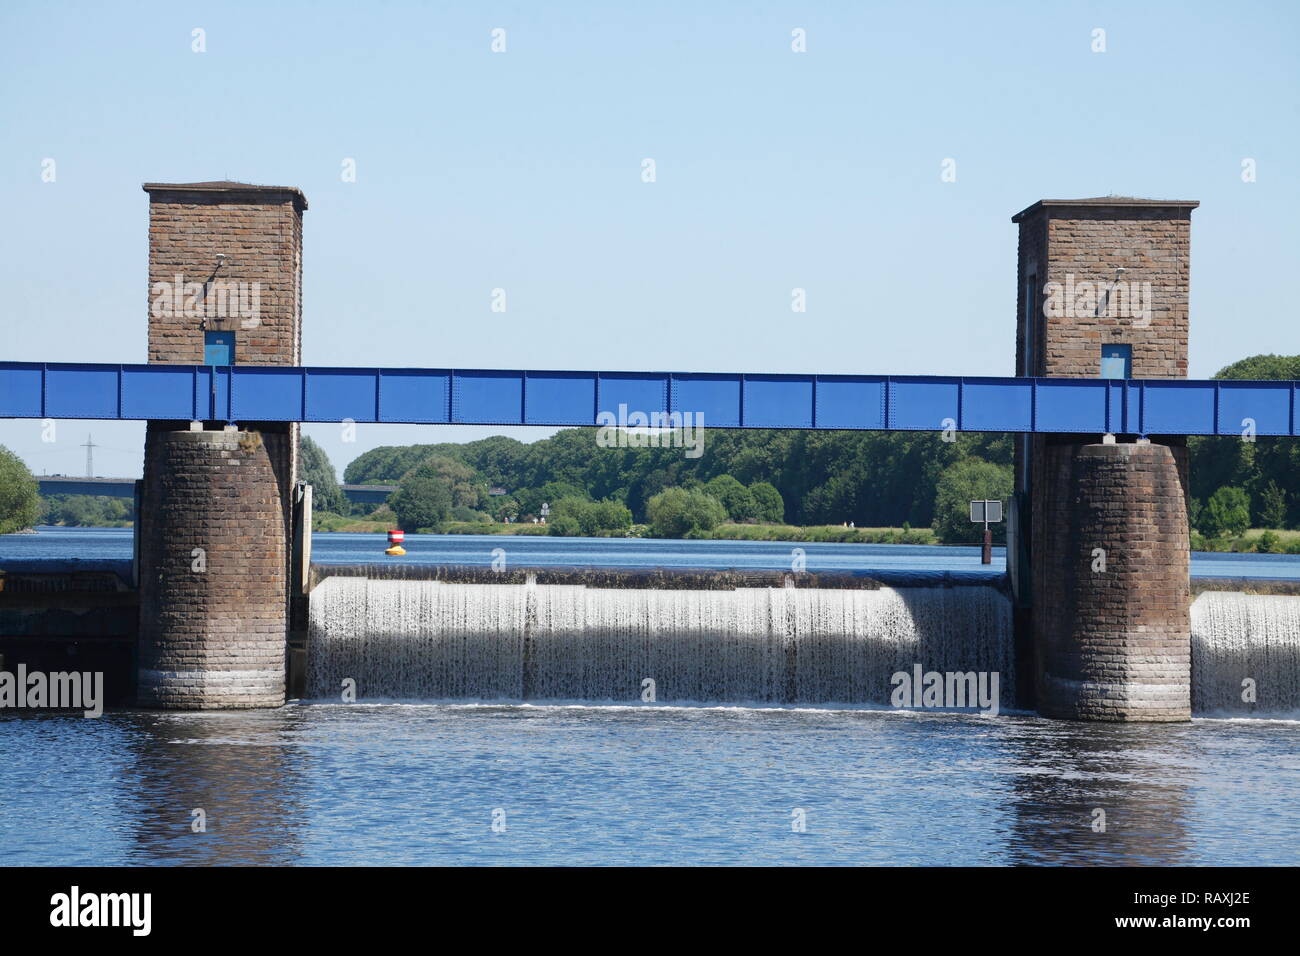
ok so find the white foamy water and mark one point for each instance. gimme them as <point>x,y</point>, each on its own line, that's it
<point>434,640</point>
<point>1245,636</point>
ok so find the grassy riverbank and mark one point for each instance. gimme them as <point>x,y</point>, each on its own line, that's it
<point>829,533</point>
<point>1254,541</point>
<point>724,532</point>
<point>728,532</point>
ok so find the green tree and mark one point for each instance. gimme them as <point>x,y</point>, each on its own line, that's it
<point>646,486</point>
<point>577,516</point>
<point>682,513</point>
<point>20,504</point>
<point>1272,506</point>
<point>1260,368</point>
<point>768,505</point>
<point>969,480</point>
<point>503,507</point>
<point>1269,543</point>
<point>497,458</point>
<point>461,513</point>
<point>420,502</point>
<point>388,463</point>
<point>564,526</point>
<point>464,487</point>
<point>87,511</point>
<point>1227,512</point>
<point>1227,461</point>
<point>315,469</point>
<point>551,493</point>
<point>734,496</point>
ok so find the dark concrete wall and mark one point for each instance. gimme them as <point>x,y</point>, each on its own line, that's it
<point>71,615</point>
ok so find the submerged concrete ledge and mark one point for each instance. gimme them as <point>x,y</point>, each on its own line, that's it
<point>48,575</point>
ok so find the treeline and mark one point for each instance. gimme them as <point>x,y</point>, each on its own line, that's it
<point>876,479</point>
<point>20,504</point>
<point>87,511</point>
<point>1239,483</point>
<point>22,507</point>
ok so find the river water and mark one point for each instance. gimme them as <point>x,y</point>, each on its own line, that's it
<point>425,782</point>
<point>630,553</point>
<point>412,784</point>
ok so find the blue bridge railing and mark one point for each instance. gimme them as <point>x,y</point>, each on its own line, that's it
<point>251,393</point>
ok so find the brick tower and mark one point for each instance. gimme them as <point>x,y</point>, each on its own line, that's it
<point>1099,550</point>
<point>225,288</point>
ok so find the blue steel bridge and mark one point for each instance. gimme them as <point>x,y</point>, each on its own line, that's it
<point>250,394</point>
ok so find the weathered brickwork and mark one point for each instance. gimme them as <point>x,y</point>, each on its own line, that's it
<point>1112,605</point>
<point>259,231</point>
<point>218,639</point>
<point>1075,241</point>
<point>1100,653</point>
<point>213,620</point>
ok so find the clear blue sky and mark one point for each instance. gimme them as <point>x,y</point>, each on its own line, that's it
<point>522,170</point>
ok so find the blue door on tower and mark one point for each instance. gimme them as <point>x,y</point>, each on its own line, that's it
<point>1117,361</point>
<point>218,348</point>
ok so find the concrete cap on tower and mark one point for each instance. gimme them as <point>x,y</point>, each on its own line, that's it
<point>250,191</point>
<point>1119,202</point>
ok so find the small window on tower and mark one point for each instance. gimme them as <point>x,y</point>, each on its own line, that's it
<point>218,348</point>
<point>1117,361</point>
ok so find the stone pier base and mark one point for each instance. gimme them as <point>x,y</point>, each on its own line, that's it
<point>1111,617</point>
<point>213,569</point>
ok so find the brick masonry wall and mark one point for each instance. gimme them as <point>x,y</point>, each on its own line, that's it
<point>1151,242</point>
<point>1112,644</point>
<point>1152,248</point>
<point>260,233</point>
<point>212,638</point>
<point>187,624</point>
<point>1076,629</point>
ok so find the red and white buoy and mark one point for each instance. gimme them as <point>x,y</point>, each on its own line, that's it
<point>395,539</point>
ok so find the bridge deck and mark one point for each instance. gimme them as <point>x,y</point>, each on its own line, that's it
<point>248,393</point>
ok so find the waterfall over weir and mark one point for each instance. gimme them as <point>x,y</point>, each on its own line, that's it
<point>443,640</point>
<point>1245,636</point>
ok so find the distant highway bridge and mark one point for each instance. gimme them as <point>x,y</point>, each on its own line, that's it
<point>125,488</point>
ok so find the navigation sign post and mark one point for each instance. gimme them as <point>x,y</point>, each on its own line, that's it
<point>987,512</point>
